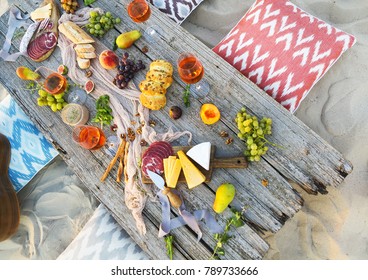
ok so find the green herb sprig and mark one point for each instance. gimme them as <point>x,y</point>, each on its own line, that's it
<point>103,115</point>
<point>223,238</point>
<point>33,87</point>
<point>169,245</point>
<point>186,95</point>
<point>88,2</point>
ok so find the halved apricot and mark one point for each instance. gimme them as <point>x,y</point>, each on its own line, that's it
<point>210,114</point>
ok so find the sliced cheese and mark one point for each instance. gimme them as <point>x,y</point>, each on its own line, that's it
<point>201,154</point>
<point>171,163</point>
<point>166,169</point>
<point>174,175</point>
<point>193,176</point>
<point>42,12</point>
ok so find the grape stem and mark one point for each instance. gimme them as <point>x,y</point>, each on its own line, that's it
<point>271,143</point>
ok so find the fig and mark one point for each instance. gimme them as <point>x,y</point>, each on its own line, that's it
<point>175,112</point>
<point>89,86</point>
<point>62,70</point>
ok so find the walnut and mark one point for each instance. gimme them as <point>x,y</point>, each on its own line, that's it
<point>131,134</point>
<point>89,73</point>
<point>152,123</point>
<point>224,134</point>
<point>229,141</point>
<point>139,130</point>
<point>143,142</point>
<point>145,49</point>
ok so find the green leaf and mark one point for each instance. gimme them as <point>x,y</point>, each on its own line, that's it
<point>238,223</point>
<point>88,2</point>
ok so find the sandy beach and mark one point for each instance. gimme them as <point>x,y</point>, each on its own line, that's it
<point>332,226</point>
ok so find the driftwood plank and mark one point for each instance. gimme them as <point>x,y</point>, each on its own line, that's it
<point>85,173</point>
<point>306,159</point>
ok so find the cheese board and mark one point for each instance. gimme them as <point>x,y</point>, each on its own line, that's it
<point>228,162</point>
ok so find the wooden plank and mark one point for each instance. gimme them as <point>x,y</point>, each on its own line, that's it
<point>112,199</point>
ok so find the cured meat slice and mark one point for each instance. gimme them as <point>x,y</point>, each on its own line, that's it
<point>42,45</point>
<point>158,149</point>
<point>153,163</point>
<point>164,144</point>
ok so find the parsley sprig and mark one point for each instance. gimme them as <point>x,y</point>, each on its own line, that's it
<point>223,238</point>
<point>103,115</point>
<point>169,246</point>
<point>186,95</point>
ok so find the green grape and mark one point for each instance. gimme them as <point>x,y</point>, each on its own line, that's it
<point>97,26</point>
<point>42,93</point>
<point>98,18</point>
<point>253,147</point>
<point>54,107</point>
<point>117,20</point>
<point>60,95</point>
<point>260,132</point>
<point>108,14</point>
<point>59,106</point>
<point>253,152</point>
<point>250,141</point>
<point>257,158</point>
<point>93,14</point>
<point>60,100</point>
<point>50,98</point>
<point>92,31</point>
<point>64,104</point>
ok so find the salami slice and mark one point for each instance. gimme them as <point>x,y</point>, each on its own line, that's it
<point>153,163</point>
<point>153,157</point>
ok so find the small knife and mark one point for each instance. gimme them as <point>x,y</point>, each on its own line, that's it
<point>156,179</point>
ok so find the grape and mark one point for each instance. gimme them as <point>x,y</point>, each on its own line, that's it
<point>54,107</point>
<point>252,132</point>
<point>42,93</point>
<point>59,106</point>
<point>99,24</point>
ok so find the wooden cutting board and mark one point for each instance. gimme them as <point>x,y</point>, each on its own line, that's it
<point>230,162</point>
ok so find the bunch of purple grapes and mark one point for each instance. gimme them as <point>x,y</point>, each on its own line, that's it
<point>126,70</point>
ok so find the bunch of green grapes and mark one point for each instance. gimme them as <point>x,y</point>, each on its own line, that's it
<point>253,132</point>
<point>99,24</point>
<point>55,102</point>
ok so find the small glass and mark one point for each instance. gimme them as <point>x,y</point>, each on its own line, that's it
<point>89,137</point>
<point>191,71</point>
<point>55,83</point>
<point>77,95</point>
<point>139,10</point>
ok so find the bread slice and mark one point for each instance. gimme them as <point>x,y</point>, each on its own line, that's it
<point>162,65</point>
<point>82,48</point>
<point>153,102</point>
<point>152,88</point>
<point>74,33</point>
<point>160,77</point>
<point>88,55</point>
<point>83,63</point>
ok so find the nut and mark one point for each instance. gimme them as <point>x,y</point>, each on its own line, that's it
<point>152,123</point>
<point>89,73</point>
<point>175,112</point>
<point>114,127</point>
<point>265,182</point>
<point>224,134</point>
<point>131,134</point>
<point>145,49</point>
<point>143,142</point>
<point>229,141</point>
<point>139,130</point>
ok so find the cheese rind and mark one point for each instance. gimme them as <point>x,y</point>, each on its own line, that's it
<point>192,174</point>
<point>201,154</point>
<point>174,175</point>
<point>42,12</point>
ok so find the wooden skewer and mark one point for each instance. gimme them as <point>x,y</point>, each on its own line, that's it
<point>113,161</point>
<point>126,162</point>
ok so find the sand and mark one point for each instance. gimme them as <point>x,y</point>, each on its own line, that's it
<point>332,226</point>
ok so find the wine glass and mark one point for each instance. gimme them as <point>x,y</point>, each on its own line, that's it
<point>77,95</point>
<point>139,11</point>
<point>191,71</point>
<point>89,137</point>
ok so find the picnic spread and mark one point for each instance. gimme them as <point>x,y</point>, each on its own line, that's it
<point>188,155</point>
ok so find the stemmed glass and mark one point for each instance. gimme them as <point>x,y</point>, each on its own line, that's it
<point>139,11</point>
<point>191,71</point>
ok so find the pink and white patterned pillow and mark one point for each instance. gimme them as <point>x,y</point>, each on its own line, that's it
<point>282,49</point>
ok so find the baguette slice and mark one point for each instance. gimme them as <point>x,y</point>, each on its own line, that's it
<point>88,55</point>
<point>83,63</point>
<point>74,33</point>
<point>82,48</point>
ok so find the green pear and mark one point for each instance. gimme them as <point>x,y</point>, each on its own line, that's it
<point>27,74</point>
<point>125,40</point>
<point>224,195</point>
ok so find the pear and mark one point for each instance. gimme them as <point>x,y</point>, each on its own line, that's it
<point>224,195</point>
<point>27,74</point>
<point>125,40</point>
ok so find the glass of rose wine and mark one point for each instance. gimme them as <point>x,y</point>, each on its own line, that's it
<point>191,71</point>
<point>89,137</point>
<point>139,11</point>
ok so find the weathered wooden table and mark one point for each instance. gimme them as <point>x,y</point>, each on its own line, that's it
<point>306,158</point>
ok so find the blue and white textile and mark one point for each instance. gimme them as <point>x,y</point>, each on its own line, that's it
<point>30,150</point>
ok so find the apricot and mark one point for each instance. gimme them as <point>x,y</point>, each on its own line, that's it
<point>108,59</point>
<point>209,113</point>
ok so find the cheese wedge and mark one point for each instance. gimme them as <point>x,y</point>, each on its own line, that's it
<point>171,163</point>
<point>201,154</point>
<point>166,169</point>
<point>174,174</point>
<point>42,12</point>
<point>193,176</point>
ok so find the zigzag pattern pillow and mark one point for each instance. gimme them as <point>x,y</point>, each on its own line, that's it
<point>283,49</point>
<point>177,10</point>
